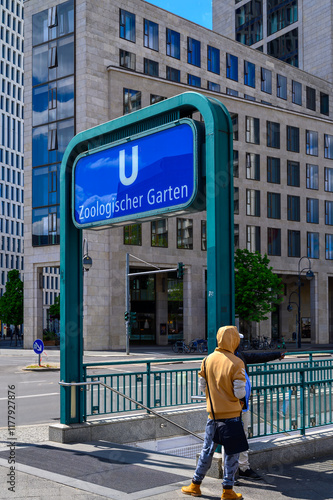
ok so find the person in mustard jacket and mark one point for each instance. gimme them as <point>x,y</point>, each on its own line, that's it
<point>225,375</point>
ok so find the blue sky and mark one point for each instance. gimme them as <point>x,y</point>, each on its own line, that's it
<point>198,11</point>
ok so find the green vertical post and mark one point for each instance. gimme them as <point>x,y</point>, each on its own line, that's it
<point>220,225</point>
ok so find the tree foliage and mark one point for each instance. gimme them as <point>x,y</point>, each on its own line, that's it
<point>257,288</point>
<point>11,303</point>
<point>55,309</point>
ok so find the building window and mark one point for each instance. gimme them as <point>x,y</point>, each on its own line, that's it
<point>274,205</point>
<point>172,74</point>
<point>203,235</point>
<point>133,234</point>
<point>231,92</point>
<point>173,43</point>
<point>280,15</point>
<point>329,179</point>
<point>185,233</point>
<point>253,202</point>
<point>328,146</point>
<point>293,208</point>
<point>312,210</point>
<point>324,104</point>
<point>293,139</point>
<point>45,226</point>
<point>274,241</point>
<point>311,98</point>
<point>194,81</point>
<point>249,74</point>
<point>127,59</point>
<point>215,87</point>
<point>297,93</point>
<point>329,246</point>
<point>234,119</point>
<point>273,170</point>
<point>294,243</point>
<point>132,100</point>
<point>311,143</point>
<point>329,213</point>
<point>313,245</point>
<point>281,86</point>
<point>236,237</point>
<point>236,200</point>
<point>293,177</point>
<point>252,130</point>
<point>159,233</point>
<point>266,80</point>
<point>150,35</point>
<point>249,97</point>
<point>156,98</point>
<point>193,51</point>
<point>312,180</point>
<point>253,166</point>
<point>150,67</point>
<point>232,67</point>
<point>235,164</point>
<point>273,135</point>
<point>253,238</point>
<point>213,59</point>
<point>127,25</point>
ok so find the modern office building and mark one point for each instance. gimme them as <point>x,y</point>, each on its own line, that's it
<point>295,31</point>
<point>89,62</point>
<point>11,139</point>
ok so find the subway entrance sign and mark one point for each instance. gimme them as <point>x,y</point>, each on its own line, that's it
<point>155,162</point>
<point>139,177</point>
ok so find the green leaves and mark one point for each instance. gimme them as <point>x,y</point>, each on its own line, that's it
<point>257,288</point>
<point>55,308</point>
<point>11,303</point>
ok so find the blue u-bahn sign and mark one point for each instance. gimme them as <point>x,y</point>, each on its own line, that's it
<point>137,178</point>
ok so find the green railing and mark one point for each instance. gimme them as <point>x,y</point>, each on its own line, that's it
<point>286,396</point>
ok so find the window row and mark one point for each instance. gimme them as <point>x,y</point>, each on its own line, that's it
<point>127,31</point>
<point>311,207</point>
<point>11,193</point>
<point>253,171</point>
<point>159,234</point>
<point>11,132</point>
<point>274,242</point>
<point>11,210</point>
<point>11,72</point>
<point>12,39</point>
<point>12,107</point>
<point>11,262</point>
<point>10,89</point>
<point>11,227</point>
<point>11,245</point>
<point>273,137</point>
<point>11,22</point>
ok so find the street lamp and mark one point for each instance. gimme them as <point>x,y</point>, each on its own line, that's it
<point>309,275</point>
<point>289,307</point>
<point>86,260</point>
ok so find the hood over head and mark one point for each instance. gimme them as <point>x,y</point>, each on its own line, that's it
<point>228,338</point>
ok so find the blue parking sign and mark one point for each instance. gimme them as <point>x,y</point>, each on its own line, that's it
<point>38,346</point>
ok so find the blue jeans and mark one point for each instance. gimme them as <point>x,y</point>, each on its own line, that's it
<point>206,456</point>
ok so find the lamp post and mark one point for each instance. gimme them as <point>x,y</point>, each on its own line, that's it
<point>289,308</point>
<point>309,275</point>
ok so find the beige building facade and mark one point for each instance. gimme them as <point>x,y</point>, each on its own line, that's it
<point>97,61</point>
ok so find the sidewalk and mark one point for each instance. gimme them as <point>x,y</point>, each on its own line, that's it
<point>45,470</point>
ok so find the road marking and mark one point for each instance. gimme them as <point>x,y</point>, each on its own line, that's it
<point>34,396</point>
<point>34,382</point>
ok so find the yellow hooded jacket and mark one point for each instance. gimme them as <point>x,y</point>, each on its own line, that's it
<point>222,369</point>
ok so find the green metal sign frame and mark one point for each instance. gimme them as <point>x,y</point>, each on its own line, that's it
<point>217,157</point>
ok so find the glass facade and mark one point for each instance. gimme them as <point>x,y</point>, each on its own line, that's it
<point>249,22</point>
<point>285,47</point>
<point>280,15</point>
<point>53,111</point>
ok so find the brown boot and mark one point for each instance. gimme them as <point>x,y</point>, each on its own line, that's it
<point>229,494</point>
<point>193,489</point>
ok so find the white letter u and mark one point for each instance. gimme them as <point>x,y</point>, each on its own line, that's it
<point>127,181</point>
